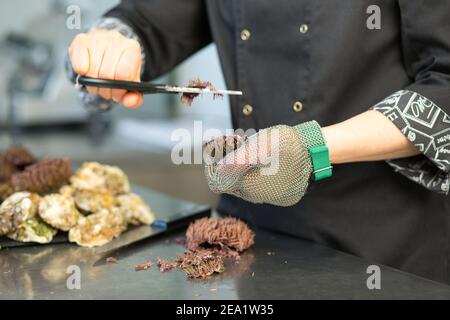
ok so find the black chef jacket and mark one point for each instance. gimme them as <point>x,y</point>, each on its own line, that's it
<point>306,60</point>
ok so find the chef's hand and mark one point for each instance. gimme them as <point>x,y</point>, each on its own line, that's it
<point>108,55</point>
<point>274,166</point>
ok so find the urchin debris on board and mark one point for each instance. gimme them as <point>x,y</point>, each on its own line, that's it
<point>111,260</point>
<point>166,265</point>
<point>209,241</point>
<point>181,241</point>
<point>188,98</point>
<point>201,263</point>
<point>143,266</point>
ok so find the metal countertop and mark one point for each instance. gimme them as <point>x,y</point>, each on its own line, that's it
<point>277,267</point>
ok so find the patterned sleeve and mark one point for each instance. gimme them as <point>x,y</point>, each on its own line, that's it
<point>428,127</point>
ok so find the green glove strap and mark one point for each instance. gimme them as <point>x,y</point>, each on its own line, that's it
<point>318,150</point>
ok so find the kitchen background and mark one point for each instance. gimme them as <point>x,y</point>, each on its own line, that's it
<point>39,107</point>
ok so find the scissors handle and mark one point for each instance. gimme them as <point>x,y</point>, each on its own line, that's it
<point>142,87</point>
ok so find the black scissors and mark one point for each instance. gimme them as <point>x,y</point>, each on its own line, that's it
<point>147,88</point>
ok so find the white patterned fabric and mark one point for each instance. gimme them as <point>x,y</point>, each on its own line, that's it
<point>428,127</point>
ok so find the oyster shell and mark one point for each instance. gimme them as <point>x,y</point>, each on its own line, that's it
<point>19,219</point>
<point>33,230</point>
<point>97,177</point>
<point>17,208</point>
<point>59,211</point>
<point>135,210</point>
<point>67,190</point>
<point>98,229</point>
<point>93,201</point>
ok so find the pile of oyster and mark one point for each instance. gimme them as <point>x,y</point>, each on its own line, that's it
<point>94,206</point>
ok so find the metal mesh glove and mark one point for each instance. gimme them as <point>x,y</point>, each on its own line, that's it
<point>274,166</point>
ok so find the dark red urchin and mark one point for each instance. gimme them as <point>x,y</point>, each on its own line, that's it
<point>7,169</point>
<point>44,176</point>
<point>222,232</point>
<point>18,156</point>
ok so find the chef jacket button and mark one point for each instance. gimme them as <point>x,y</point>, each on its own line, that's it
<point>304,28</point>
<point>245,35</point>
<point>247,110</point>
<point>298,106</point>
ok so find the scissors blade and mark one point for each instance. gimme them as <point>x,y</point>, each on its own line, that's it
<point>175,89</point>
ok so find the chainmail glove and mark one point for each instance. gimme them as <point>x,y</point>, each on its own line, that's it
<point>273,166</point>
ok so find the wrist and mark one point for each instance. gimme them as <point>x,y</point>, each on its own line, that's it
<point>330,135</point>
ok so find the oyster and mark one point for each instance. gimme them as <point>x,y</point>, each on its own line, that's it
<point>93,201</point>
<point>67,190</point>
<point>98,229</point>
<point>19,219</point>
<point>135,210</point>
<point>33,230</point>
<point>59,211</point>
<point>97,177</point>
<point>17,208</point>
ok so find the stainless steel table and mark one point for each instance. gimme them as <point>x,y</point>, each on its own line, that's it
<point>277,267</point>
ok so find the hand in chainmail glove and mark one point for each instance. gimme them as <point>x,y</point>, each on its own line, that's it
<point>273,166</point>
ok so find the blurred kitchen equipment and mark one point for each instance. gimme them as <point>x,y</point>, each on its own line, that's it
<point>34,81</point>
